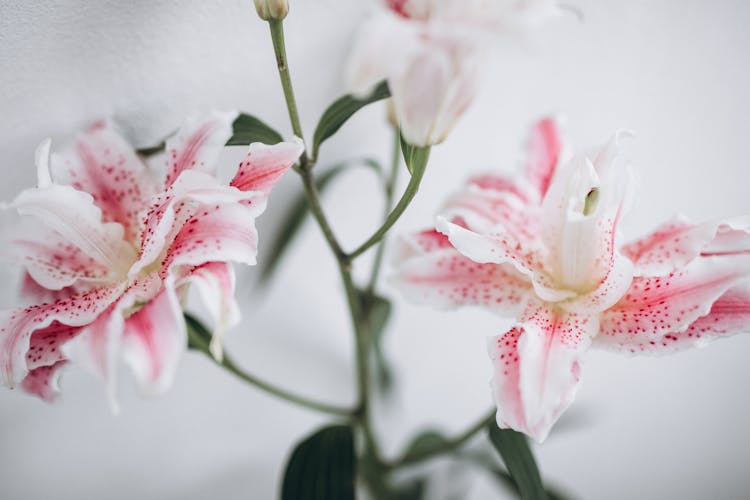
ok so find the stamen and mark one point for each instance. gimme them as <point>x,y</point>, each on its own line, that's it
<point>592,200</point>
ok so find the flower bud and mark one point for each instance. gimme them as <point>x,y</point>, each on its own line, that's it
<point>272,9</point>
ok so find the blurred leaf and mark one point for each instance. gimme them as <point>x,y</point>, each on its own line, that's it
<point>413,490</point>
<point>322,467</point>
<point>416,157</point>
<point>247,129</point>
<point>199,337</point>
<point>378,310</point>
<point>341,110</point>
<point>152,150</point>
<point>490,464</point>
<point>514,449</point>
<point>292,222</point>
<point>424,444</point>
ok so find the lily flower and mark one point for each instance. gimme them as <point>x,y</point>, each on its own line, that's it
<point>544,248</point>
<point>431,52</point>
<point>112,251</point>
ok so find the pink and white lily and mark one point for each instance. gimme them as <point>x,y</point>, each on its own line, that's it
<point>431,52</point>
<point>544,248</point>
<point>113,252</point>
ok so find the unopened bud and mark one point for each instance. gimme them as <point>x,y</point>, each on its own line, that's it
<point>272,9</point>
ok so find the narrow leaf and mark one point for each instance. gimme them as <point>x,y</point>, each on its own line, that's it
<point>295,216</point>
<point>322,467</point>
<point>247,129</point>
<point>341,110</point>
<point>378,310</point>
<point>199,338</point>
<point>514,449</point>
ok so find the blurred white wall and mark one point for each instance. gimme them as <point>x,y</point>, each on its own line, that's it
<point>674,71</point>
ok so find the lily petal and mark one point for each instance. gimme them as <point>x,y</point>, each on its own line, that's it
<point>729,315</point>
<point>77,221</point>
<point>44,381</point>
<point>545,148</point>
<point>423,242</point>
<point>656,306</point>
<point>97,347</point>
<point>154,339</point>
<point>537,367</point>
<point>17,327</point>
<point>264,165</point>
<point>497,246</point>
<point>435,86</point>
<point>483,209</point>
<point>54,263</point>
<point>676,243</point>
<point>184,201</point>
<point>34,293</point>
<point>197,145</point>
<point>446,279</point>
<point>104,165</point>
<point>45,358</point>
<point>215,233</point>
<point>611,289</point>
<point>214,282</point>
<point>380,50</point>
<point>581,212</point>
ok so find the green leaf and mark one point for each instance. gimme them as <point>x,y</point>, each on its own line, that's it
<point>295,216</point>
<point>424,444</point>
<point>416,157</point>
<point>322,467</point>
<point>247,129</point>
<point>341,110</point>
<point>514,449</point>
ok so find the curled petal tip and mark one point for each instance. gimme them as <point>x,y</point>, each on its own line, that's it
<point>41,159</point>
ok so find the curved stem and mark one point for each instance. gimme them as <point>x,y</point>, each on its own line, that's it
<point>199,338</point>
<point>362,413</point>
<point>450,445</point>
<point>363,364</point>
<point>313,200</point>
<point>230,366</point>
<point>390,188</point>
<point>394,215</point>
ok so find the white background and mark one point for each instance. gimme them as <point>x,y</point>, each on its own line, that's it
<point>676,72</point>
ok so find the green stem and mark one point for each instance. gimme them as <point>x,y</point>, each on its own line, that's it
<point>363,362</point>
<point>390,189</point>
<point>313,201</point>
<point>230,366</point>
<point>395,214</point>
<point>450,445</point>
<point>362,413</point>
<point>199,338</point>
<point>279,48</point>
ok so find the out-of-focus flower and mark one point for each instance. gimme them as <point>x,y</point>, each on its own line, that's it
<point>111,252</point>
<point>431,53</point>
<point>544,248</point>
<point>272,9</point>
